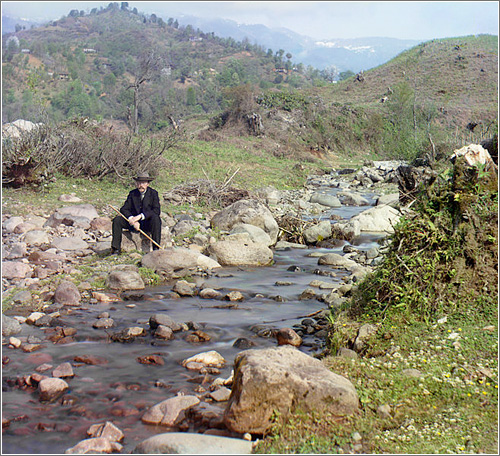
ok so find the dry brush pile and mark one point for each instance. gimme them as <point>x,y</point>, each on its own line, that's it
<point>81,148</point>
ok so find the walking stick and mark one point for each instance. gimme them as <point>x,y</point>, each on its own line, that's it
<point>138,229</point>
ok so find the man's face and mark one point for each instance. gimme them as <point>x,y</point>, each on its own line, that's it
<point>142,185</point>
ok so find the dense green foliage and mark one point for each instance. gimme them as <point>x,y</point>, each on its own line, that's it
<point>443,255</point>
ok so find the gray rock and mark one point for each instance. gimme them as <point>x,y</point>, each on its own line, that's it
<point>10,224</point>
<point>79,210</point>
<point>249,212</point>
<point>352,199</point>
<point>281,380</point>
<point>365,332</point>
<point>22,297</point>
<point>282,245</point>
<point>315,233</point>
<point>17,250</point>
<point>377,219</point>
<point>69,243</point>
<point>190,443</point>
<point>10,326</point>
<point>347,353</point>
<point>124,280</point>
<point>391,199</point>
<point>36,237</point>
<point>177,262</point>
<point>256,234</point>
<point>325,200</point>
<point>184,288</point>
<point>164,320</point>
<point>233,253</point>
<point>336,260</point>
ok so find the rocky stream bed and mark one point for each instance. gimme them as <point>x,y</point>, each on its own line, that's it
<point>142,369</point>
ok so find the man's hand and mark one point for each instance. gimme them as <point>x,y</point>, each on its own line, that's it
<point>134,221</point>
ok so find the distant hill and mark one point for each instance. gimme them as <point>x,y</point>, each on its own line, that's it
<point>346,54</point>
<point>9,24</point>
<point>85,64</point>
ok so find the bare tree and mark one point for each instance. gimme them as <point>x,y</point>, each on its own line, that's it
<point>149,67</point>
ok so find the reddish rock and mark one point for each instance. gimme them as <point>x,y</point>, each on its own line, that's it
<point>98,445</point>
<point>67,294</point>
<point>287,336</point>
<point>170,411</point>
<point>64,370</point>
<point>101,223</point>
<point>15,270</point>
<point>29,348</point>
<point>151,359</point>
<point>197,337</point>
<point>164,332</point>
<point>52,388</point>
<point>38,358</point>
<point>107,430</point>
<point>90,359</point>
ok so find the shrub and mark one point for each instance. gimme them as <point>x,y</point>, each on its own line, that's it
<point>81,148</point>
<point>442,257</point>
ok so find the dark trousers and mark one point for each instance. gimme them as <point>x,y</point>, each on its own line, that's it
<point>151,226</point>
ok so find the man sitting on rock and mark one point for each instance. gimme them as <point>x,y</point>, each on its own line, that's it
<point>142,210</point>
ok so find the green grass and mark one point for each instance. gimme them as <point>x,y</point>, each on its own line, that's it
<point>451,408</point>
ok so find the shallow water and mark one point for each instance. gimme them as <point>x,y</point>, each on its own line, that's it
<point>123,389</point>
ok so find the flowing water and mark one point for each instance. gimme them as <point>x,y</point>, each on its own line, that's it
<point>122,389</point>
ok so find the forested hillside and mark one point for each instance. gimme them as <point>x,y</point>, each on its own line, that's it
<point>92,64</point>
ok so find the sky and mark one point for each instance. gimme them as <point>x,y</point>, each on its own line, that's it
<point>320,20</point>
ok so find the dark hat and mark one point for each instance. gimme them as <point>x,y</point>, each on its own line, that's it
<point>143,177</point>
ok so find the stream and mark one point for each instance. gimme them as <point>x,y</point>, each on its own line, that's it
<point>122,389</point>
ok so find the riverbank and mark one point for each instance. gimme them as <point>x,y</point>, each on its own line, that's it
<point>399,410</point>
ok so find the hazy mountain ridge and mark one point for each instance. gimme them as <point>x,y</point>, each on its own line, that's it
<point>353,54</point>
<point>346,54</point>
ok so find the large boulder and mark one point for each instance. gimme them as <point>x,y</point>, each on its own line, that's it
<point>175,262</point>
<point>125,277</point>
<point>256,234</point>
<point>283,379</point>
<point>238,253</point>
<point>251,212</point>
<point>377,219</point>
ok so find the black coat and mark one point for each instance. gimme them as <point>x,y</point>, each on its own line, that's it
<point>149,206</point>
